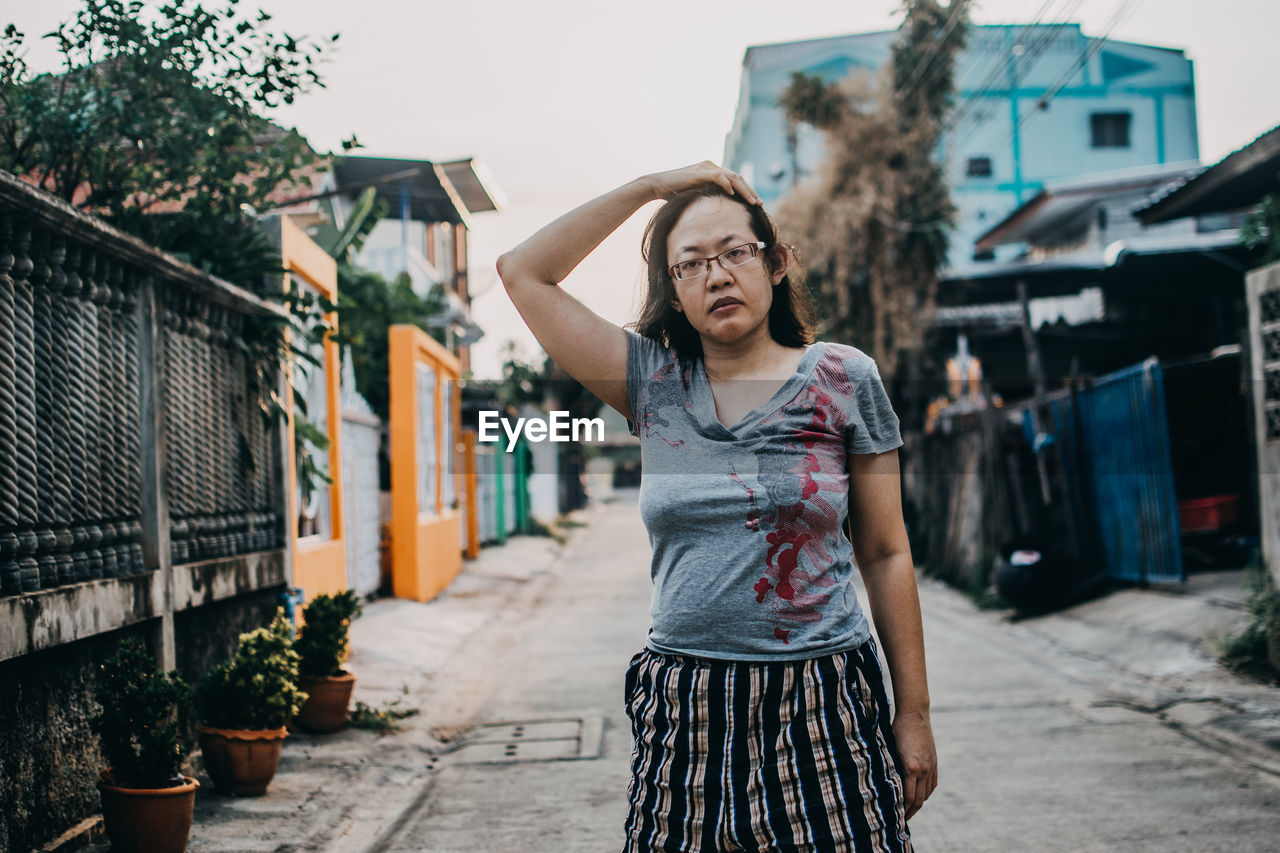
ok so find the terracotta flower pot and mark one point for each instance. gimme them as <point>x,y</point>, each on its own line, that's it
<point>147,820</point>
<point>239,761</point>
<point>327,699</point>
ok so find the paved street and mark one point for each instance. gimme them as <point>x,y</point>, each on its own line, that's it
<point>1041,750</point>
<point>1033,753</point>
<point>1042,747</point>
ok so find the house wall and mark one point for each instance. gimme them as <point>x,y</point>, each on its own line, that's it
<point>997,110</point>
<point>361,436</point>
<point>1263,294</point>
<point>426,484</point>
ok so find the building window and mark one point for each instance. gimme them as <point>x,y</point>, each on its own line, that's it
<point>1110,130</point>
<point>978,167</point>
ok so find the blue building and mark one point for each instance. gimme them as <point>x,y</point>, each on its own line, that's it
<point>1033,103</point>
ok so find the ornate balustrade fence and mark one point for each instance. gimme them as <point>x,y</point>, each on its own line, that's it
<point>136,445</point>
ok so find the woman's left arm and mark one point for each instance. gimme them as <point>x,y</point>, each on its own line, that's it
<point>883,555</point>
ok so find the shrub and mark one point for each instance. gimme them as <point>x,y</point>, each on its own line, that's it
<point>1249,651</point>
<point>137,728</point>
<point>322,642</point>
<point>256,689</point>
<point>381,720</point>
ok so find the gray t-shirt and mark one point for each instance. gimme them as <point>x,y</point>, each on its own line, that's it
<point>750,559</point>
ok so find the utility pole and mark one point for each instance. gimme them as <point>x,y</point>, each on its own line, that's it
<point>1036,371</point>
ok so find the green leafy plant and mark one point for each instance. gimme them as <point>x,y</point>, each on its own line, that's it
<point>874,220</point>
<point>322,642</point>
<point>257,688</point>
<point>1262,227</point>
<point>156,119</point>
<point>137,727</point>
<point>381,720</point>
<point>369,306</point>
<point>1252,650</point>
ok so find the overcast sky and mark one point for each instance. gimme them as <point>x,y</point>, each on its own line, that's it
<point>565,99</point>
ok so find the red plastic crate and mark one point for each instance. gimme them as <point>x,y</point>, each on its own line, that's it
<point>1204,515</point>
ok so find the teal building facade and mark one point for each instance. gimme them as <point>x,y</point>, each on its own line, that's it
<point>1033,103</point>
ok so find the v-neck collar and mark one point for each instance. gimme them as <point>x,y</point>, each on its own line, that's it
<point>704,401</point>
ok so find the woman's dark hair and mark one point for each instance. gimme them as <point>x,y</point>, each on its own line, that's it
<point>790,315</point>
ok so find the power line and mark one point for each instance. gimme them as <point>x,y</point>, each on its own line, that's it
<point>1043,38</point>
<point>1126,8</point>
<point>993,69</point>
<point>1123,10</point>
<point>939,37</point>
<point>934,225</point>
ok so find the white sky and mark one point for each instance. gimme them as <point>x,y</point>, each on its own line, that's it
<point>565,99</point>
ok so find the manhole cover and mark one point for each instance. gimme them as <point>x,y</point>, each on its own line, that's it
<point>561,739</point>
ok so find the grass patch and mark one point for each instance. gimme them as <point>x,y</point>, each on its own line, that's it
<point>982,591</point>
<point>537,528</point>
<point>1249,651</point>
<point>989,599</point>
<point>381,720</point>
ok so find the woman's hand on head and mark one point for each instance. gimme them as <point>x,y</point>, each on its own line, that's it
<point>667,184</point>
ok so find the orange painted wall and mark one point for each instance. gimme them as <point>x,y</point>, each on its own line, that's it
<point>319,564</point>
<point>425,555</point>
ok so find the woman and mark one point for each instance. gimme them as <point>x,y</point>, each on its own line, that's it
<point>760,716</point>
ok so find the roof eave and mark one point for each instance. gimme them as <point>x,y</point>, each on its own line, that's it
<point>1191,198</point>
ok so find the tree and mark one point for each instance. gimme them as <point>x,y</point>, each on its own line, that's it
<point>1261,228</point>
<point>873,223</point>
<point>807,100</point>
<point>156,121</point>
<point>368,307</point>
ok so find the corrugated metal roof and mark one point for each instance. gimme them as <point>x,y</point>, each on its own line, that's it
<point>475,185</point>
<point>1238,180</point>
<point>417,181</point>
<point>1060,201</point>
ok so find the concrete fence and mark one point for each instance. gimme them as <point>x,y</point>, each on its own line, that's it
<point>142,484</point>
<point>139,461</point>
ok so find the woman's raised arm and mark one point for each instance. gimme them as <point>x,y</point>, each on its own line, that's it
<point>589,348</point>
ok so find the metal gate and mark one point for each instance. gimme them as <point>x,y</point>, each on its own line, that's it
<point>1125,433</point>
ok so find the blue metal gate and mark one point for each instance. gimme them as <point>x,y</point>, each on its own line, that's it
<point>1126,457</point>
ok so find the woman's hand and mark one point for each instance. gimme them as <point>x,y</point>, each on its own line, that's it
<point>667,184</point>
<point>919,757</point>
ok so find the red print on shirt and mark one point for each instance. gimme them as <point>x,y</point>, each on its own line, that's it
<point>800,525</point>
<point>667,387</point>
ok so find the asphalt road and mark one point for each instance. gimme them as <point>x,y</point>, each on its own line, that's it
<point>1038,748</point>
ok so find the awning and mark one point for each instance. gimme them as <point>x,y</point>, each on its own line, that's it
<point>1062,201</point>
<point>1160,256</point>
<point>430,195</point>
<point>1238,180</point>
<point>474,184</point>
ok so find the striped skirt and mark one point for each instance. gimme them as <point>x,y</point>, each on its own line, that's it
<point>792,756</point>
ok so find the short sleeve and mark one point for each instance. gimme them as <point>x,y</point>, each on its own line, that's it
<point>871,425</point>
<point>645,357</point>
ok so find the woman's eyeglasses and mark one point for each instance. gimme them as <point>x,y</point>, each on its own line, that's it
<point>698,267</point>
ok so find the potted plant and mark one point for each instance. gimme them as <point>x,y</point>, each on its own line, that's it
<point>322,645</point>
<point>146,801</point>
<point>243,705</point>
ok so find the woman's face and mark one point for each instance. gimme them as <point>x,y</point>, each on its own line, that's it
<point>725,304</point>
